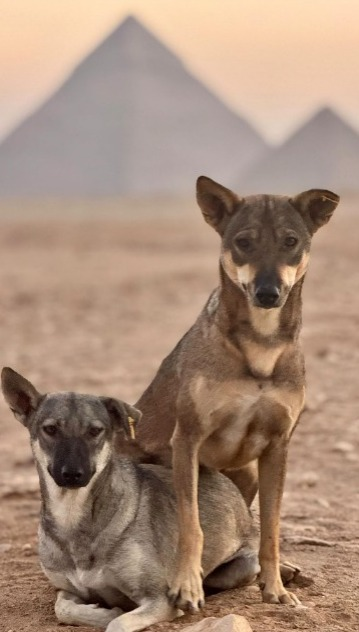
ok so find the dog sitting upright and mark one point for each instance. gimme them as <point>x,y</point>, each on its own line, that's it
<point>231,392</point>
<point>108,528</point>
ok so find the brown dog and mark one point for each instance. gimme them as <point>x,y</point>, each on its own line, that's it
<point>231,392</point>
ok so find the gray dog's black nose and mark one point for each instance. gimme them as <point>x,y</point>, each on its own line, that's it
<point>72,477</point>
<point>267,295</point>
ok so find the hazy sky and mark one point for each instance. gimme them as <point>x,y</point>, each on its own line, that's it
<point>274,61</point>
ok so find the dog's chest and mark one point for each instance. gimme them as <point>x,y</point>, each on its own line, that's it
<point>238,419</point>
<point>98,567</point>
<point>84,570</point>
<point>96,583</point>
<point>234,441</point>
<point>85,580</point>
<point>261,360</point>
<point>67,508</point>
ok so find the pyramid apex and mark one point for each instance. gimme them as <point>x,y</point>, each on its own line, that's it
<point>326,112</point>
<point>326,118</point>
<point>130,21</point>
<point>326,109</point>
<point>330,116</point>
<point>131,26</point>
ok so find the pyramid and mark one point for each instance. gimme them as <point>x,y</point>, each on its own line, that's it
<point>129,120</point>
<point>323,153</point>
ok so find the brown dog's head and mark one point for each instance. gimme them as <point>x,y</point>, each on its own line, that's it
<point>265,238</point>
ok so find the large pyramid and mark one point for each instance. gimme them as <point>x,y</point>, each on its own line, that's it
<point>129,120</point>
<point>323,153</point>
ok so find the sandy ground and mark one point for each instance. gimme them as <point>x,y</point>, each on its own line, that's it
<point>94,304</point>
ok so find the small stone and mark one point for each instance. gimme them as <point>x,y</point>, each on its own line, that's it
<point>309,479</point>
<point>229,623</point>
<point>323,502</point>
<point>26,547</point>
<point>343,446</point>
<point>253,589</point>
<point>5,547</point>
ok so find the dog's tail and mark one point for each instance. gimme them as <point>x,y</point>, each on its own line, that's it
<point>131,449</point>
<point>241,570</point>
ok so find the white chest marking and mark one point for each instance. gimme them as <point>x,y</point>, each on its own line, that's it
<point>262,360</point>
<point>265,321</point>
<point>67,507</point>
<point>87,579</point>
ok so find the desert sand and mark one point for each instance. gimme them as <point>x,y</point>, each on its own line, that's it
<point>93,300</point>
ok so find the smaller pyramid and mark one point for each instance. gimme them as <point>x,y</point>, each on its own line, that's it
<point>323,153</point>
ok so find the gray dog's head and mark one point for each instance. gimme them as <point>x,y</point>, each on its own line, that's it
<point>71,435</point>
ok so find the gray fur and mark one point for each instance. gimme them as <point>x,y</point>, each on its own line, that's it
<point>108,545</point>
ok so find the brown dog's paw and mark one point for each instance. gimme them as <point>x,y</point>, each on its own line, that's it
<point>273,591</point>
<point>287,598</point>
<point>186,591</point>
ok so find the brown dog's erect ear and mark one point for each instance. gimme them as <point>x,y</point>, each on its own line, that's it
<point>21,396</point>
<point>316,207</point>
<point>123,415</point>
<point>216,203</point>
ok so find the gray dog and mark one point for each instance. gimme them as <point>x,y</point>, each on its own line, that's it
<point>108,530</point>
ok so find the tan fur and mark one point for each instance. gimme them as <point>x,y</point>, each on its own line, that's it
<point>292,274</point>
<point>302,268</point>
<point>238,274</point>
<point>232,390</point>
<point>264,321</point>
<point>288,274</point>
<point>235,434</point>
<point>262,360</point>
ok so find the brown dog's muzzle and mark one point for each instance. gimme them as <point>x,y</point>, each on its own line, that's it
<point>267,296</point>
<point>267,290</point>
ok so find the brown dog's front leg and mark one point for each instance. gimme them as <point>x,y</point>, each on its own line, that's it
<point>186,591</point>
<point>271,469</point>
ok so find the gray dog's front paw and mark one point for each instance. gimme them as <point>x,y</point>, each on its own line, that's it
<point>103,616</point>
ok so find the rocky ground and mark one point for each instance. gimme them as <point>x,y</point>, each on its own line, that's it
<point>92,303</point>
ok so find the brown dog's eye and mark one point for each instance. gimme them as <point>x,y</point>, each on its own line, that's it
<point>243,243</point>
<point>50,430</point>
<point>290,241</point>
<point>95,431</point>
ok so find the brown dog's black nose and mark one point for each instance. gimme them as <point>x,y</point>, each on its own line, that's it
<point>267,296</point>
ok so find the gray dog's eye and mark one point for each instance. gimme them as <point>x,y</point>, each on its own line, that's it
<point>95,431</point>
<point>50,430</point>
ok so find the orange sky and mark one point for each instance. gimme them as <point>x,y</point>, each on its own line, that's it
<point>274,61</point>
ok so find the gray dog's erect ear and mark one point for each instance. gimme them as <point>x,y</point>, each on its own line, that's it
<point>216,202</point>
<point>20,394</point>
<point>123,415</point>
<point>316,207</point>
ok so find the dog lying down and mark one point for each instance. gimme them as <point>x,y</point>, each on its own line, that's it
<point>108,529</point>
